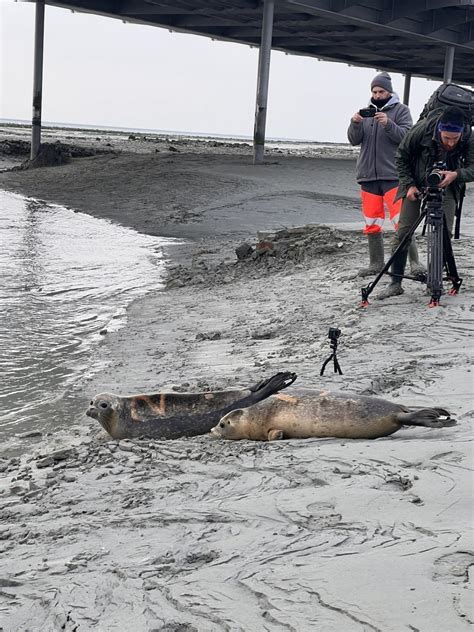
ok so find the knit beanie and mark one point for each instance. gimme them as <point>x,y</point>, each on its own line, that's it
<point>384,80</point>
<point>452,120</point>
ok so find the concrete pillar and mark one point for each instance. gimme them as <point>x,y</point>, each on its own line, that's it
<point>262,82</point>
<point>37,80</point>
<point>448,65</point>
<point>406,88</point>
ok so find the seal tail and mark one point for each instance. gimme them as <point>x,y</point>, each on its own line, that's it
<point>429,417</point>
<point>272,385</point>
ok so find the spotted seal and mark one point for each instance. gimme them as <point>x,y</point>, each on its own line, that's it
<point>173,415</point>
<point>301,414</point>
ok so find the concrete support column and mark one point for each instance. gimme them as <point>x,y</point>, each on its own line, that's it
<point>37,80</point>
<point>448,65</point>
<point>262,81</point>
<point>406,88</point>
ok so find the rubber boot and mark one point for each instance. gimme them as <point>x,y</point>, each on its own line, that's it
<point>397,269</point>
<point>376,257</point>
<point>417,269</point>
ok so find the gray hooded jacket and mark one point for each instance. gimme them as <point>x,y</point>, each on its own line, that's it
<point>378,144</point>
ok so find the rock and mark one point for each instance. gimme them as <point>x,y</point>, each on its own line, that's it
<point>243,251</point>
<point>47,461</point>
<point>125,445</point>
<point>263,334</point>
<point>264,248</point>
<point>51,459</point>
<point>211,335</point>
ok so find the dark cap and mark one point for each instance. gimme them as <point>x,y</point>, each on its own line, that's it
<point>383,80</point>
<point>452,120</point>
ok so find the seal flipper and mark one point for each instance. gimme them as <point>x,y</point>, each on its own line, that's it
<point>273,384</point>
<point>274,435</point>
<point>429,417</point>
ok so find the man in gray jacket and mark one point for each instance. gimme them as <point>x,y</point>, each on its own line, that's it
<point>379,134</point>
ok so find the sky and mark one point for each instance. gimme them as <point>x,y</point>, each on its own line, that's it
<point>101,71</point>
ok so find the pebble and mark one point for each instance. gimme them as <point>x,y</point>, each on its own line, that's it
<point>125,445</point>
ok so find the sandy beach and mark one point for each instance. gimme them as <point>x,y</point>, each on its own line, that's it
<point>206,535</point>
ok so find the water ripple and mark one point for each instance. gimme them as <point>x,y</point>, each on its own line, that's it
<point>65,276</point>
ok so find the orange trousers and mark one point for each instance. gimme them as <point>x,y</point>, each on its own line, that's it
<point>373,206</point>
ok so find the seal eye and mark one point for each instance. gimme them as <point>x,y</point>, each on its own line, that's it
<point>92,402</point>
<point>222,424</point>
<point>228,422</point>
<point>103,405</point>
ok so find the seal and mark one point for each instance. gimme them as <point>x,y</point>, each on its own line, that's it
<point>301,414</point>
<point>173,415</point>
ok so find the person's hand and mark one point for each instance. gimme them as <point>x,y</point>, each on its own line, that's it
<point>357,118</point>
<point>449,177</point>
<point>412,193</point>
<point>381,118</point>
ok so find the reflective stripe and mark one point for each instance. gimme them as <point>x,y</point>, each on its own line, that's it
<point>394,208</point>
<point>371,221</point>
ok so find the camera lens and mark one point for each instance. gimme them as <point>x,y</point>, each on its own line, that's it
<point>434,178</point>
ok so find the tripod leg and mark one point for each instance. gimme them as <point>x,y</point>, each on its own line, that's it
<point>450,262</point>
<point>435,261</point>
<point>398,252</point>
<point>325,363</point>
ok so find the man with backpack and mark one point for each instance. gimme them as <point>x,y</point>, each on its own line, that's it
<point>378,130</point>
<point>443,137</point>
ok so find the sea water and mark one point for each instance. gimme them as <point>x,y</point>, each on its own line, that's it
<point>65,280</point>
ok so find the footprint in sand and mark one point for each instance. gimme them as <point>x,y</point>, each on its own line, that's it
<point>453,568</point>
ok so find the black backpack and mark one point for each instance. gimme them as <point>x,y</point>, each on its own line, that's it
<point>450,94</point>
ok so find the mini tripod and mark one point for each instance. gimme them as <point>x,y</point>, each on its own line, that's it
<point>333,335</point>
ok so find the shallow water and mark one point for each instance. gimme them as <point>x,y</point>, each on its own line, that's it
<point>65,278</point>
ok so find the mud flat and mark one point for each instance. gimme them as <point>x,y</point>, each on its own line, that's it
<point>206,535</point>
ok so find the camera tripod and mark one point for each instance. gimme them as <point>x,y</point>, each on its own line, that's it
<point>440,251</point>
<point>333,335</point>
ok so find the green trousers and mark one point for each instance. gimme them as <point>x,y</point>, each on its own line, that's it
<point>409,213</point>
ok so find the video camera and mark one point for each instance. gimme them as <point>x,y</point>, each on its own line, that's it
<point>435,176</point>
<point>334,333</point>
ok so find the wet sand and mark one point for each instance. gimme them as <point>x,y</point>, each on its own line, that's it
<point>201,534</point>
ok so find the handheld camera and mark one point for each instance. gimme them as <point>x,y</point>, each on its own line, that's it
<point>367,112</point>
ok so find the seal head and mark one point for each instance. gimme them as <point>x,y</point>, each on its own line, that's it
<point>106,409</point>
